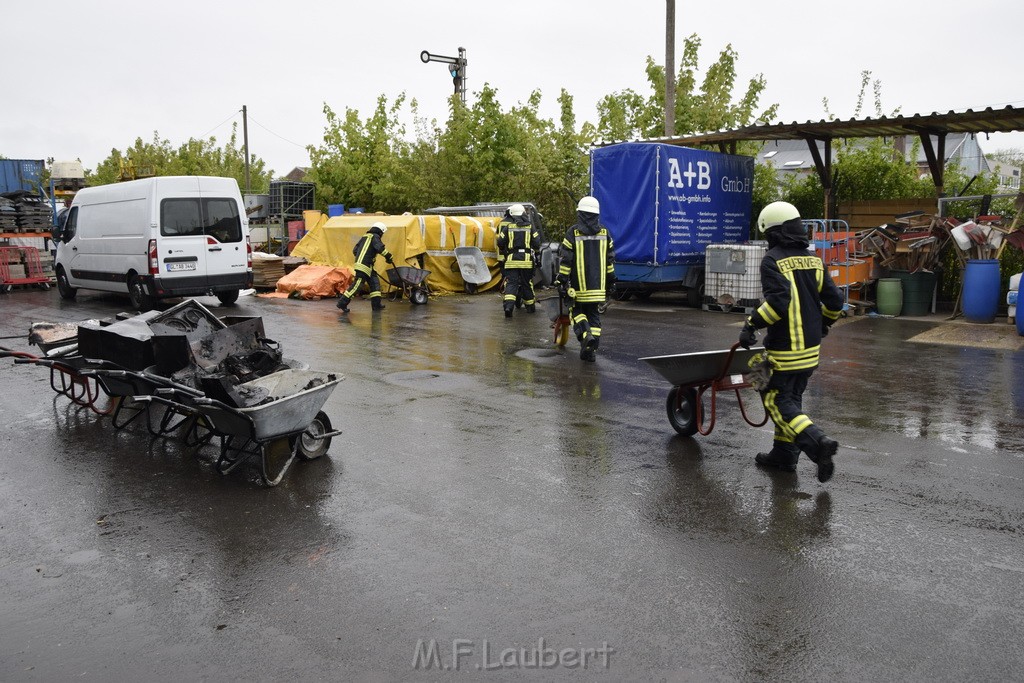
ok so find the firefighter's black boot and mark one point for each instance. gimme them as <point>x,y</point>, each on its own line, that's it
<point>508,310</point>
<point>820,449</point>
<point>531,308</point>
<point>376,304</point>
<point>777,459</point>
<point>343,304</point>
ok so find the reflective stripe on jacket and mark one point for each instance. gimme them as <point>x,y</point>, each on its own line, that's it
<point>366,250</point>
<point>799,296</point>
<point>517,242</point>
<point>587,259</point>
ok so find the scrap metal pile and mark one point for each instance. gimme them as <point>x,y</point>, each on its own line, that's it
<point>195,376</point>
<point>913,242</point>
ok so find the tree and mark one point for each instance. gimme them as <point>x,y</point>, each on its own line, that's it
<point>194,157</point>
<point>627,115</point>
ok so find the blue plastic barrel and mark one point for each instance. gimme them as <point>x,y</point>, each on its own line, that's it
<point>335,209</point>
<point>1020,307</point>
<point>981,290</point>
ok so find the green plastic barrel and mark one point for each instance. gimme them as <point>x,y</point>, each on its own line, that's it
<point>917,291</point>
<point>890,296</point>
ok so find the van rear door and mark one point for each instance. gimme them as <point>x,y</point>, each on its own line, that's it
<point>226,251</point>
<point>181,248</point>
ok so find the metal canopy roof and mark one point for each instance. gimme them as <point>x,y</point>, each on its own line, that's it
<point>924,126</point>
<point>988,120</point>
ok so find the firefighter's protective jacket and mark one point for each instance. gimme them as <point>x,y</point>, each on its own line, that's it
<point>518,240</point>
<point>587,258</point>
<point>366,250</point>
<point>799,298</point>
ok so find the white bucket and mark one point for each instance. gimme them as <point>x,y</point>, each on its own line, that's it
<point>963,242</point>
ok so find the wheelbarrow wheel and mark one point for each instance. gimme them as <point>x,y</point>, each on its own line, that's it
<point>561,332</point>
<point>312,442</point>
<point>418,296</point>
<point>471,288</point>
<point>682,410</point>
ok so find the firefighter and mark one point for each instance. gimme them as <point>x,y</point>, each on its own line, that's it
<point>800,304</point>
<point>518,244</point>
<point>366,251</point>
<point>586,272</point>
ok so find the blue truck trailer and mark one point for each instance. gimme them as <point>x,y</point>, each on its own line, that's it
<point>664,205</point>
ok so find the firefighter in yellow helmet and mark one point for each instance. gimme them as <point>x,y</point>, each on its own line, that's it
<point>800,304</point>
<point>366,251</point>
<point>518,242</point>
<point>587,272</point>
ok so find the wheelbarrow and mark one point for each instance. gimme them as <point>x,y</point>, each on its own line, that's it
<point>471,265</point>
<point>287,423</point>
<point>692,375</point>
<point>409,282</point>
<point>69,377</point>
<point>132,391</point>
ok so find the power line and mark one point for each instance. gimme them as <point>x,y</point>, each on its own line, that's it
<point>233,115</point>
<point>275,134</point>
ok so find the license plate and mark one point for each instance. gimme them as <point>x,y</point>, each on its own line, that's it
<point>187,265</point>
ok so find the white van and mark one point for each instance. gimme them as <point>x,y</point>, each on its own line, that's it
<point>156,238</point>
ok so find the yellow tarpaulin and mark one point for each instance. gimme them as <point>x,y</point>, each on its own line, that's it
<point>410,238</point>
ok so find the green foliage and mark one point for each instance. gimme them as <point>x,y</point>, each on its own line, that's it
<point>194,157</point>
<point>484,153</point>
<point>627,115</point>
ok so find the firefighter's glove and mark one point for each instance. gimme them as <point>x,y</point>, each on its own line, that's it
<point>609,283</point>
<point>390,260</point>
<point>748,335</point>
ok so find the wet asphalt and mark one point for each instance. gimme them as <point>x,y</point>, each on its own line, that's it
<point>496,498</point>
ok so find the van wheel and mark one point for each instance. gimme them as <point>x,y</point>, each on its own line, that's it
<point>64,288</point>
<point>228,298</point>
<point>141,301</point>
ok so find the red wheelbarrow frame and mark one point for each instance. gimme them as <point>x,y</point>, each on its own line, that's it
<point>693,375</point>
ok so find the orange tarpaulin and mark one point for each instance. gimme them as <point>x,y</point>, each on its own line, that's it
<point>315,282</point>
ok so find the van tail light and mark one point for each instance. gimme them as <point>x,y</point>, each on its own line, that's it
<point>154,262</point>
<point>248,254</point>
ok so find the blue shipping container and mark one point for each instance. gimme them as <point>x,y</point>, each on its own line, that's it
<point>20,174</point>
<point>664,204</point>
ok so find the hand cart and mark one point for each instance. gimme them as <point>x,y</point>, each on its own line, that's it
<point>132,391</point>
<point>21,257</point>
<point>471,265</point>
<point>409,282</point>
<point>287,425</point>
<point>694,374</point>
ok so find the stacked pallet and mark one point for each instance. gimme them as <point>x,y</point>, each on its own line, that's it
<point>8,215</point>
<point>266,271</point>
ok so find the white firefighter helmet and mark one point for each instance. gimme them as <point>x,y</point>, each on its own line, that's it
<point>775,214</point>
<point>380,226</point>
<point>589,204</point>
<point>516,210</point>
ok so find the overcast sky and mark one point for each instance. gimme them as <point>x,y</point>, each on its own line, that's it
<point>85,77</point>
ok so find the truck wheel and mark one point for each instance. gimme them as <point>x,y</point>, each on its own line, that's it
<point>64,288</point>
<point>695,296</point>
<point>141,300</point>
<point>682,410</point>
<point>228,298</point>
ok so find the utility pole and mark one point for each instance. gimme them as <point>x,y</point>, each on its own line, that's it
<point>456,68</point>
<point>245,142</point>
<point>670,68</point>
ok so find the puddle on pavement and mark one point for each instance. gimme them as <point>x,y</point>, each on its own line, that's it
<point>540,355</point>
<point>432,380</point>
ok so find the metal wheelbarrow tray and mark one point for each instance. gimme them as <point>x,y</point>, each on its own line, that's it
<point>472,267</point>
<point>694,374</point>
<point>410,282</point>
<point>288,423</point>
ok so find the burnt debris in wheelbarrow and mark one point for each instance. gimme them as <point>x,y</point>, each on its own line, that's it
<point>216,379</point>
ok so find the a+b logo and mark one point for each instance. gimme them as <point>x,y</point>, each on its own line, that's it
<point>681,179</point>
